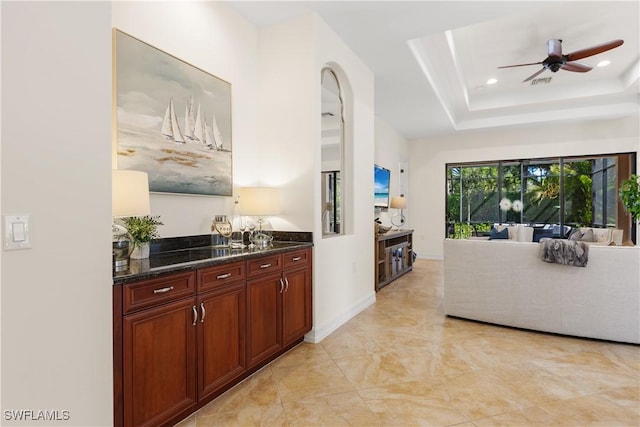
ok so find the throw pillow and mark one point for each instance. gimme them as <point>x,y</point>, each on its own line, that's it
<point>588,236</point>
<point>494,234</point>
<point>524,234</point>
<point>576,235</point>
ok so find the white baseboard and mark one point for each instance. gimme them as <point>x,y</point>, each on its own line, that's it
<point>318,333</point>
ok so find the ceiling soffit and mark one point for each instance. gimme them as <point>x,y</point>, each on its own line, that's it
<point>458,62</point>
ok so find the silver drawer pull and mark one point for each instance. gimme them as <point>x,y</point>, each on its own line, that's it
<point>265,265</point>
<point>281,285</point>
<point>163,290</point>
<point>286,281</point>
<point>297,258</point>
<point>223,276</point>
<point>204,312</point>
<point>195,315</point>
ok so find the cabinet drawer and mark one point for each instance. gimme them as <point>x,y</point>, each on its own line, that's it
<point>220,275</point>
<point>148,293</point>
<point>296,258</point>
<point>267,264</point>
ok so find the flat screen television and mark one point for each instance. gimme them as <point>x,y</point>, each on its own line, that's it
<point>381,179</point>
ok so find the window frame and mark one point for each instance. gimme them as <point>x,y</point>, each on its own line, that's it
<point>454,170</point>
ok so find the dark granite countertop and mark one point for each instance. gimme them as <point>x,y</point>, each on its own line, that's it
<point>177,254</point>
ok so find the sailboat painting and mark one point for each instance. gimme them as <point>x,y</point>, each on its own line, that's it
<point>173,120</point>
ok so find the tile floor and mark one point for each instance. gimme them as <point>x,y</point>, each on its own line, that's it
<point>401,362</point>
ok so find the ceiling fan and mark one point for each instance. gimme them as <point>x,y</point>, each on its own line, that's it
<point>556,60</point>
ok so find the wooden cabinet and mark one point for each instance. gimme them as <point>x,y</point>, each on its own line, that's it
<point>159,358</point>
<point>183,338</point>
<point>264,314</point>
<point>279,306</point>
<point>296,304</point>
<point>222,327</point>
<point>394,256</point>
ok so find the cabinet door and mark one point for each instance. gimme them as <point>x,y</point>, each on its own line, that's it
<point>264,317</point>
<point>159,363</point>
<point>296,304</point>
<point>221,337</point>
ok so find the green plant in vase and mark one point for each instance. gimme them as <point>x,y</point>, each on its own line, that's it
<point>143,229</point>
<point>630,196</point>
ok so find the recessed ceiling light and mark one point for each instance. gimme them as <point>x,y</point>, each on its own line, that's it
<point>492,81</point>
<point>604,63</point>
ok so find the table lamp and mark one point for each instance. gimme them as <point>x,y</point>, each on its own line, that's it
<point>398,202</point>
<point>129,197</point>
<point>260,202</point>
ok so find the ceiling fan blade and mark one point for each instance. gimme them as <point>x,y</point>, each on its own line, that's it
<point>594,50</point>
<point>520,65</point>
<point>577,67</point>
<point>534,75</point>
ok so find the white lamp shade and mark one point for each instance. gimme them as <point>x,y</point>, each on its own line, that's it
<point>398,203</point>
<point>129,193</point>
<point>259,201</point>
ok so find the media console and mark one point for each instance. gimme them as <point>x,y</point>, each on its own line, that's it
<point>394,256</point>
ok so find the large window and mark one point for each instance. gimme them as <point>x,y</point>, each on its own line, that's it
<point>574,191</point>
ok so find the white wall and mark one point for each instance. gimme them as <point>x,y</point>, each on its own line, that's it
<point>57,155</point>
<point>429,157</point>
<point>392,152</point>
<point>292,55</point>
<point>56,296</point>
<point>286,123</point>
<point>214,38</point>
<point>343,269</point>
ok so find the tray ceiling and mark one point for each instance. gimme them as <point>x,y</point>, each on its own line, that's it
<point>432,59</point>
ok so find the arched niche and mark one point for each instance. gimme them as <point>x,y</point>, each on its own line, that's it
<point>332,154</point>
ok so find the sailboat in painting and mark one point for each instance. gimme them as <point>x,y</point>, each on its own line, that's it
<point>201,131</point>
<point>170,126</point>
<point>217,136</point>
<point>189,120</point>
<point>196,129</point>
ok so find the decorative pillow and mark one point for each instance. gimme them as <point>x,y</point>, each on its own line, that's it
<point>525,233</point>
<point>495,234</point>
<point>587,236</point>
<point>576,235</point>
<point>541,233</point>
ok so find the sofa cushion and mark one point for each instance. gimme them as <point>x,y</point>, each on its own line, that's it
<point>525,233</point>
<point>595,236</point>
<point>583,236</point>
<point>616,236</point>
<point>541,233</point>
<point>602,235</point>
<point>495,234</point>
<point>563,232</point>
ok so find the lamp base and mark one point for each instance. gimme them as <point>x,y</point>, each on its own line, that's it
<point>121,246</point>
<point>262,236</point>
<point>120,264</point>
<point>398,221</point>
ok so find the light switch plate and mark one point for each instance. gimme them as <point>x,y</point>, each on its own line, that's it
<point>16,232</point>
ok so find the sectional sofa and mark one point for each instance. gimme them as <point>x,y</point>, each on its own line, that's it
<point>526,233</point>
<point>505,282</point>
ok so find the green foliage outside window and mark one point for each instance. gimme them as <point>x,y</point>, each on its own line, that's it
<point>571,191</point>
<point>630,195</point>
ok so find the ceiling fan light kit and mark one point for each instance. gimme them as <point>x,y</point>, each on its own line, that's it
<point>557,61</point>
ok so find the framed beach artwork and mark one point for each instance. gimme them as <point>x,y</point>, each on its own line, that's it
<point>173,120</point>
